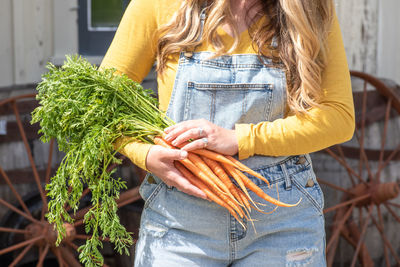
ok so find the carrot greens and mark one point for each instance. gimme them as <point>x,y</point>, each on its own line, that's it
<point>86,110</point>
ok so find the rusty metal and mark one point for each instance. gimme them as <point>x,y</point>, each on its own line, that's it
<point>368,192</point>
<point>37,236</point>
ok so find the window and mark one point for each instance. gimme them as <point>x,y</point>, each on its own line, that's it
<point>98,21</point>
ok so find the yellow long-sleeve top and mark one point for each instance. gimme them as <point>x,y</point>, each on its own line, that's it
<point>133,52</point>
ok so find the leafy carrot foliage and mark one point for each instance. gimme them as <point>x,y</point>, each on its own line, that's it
<point>86,110</point>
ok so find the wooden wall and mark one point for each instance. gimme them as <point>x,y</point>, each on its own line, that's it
<point>36,31</point>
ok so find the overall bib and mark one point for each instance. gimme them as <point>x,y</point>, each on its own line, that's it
<point>181,230</point>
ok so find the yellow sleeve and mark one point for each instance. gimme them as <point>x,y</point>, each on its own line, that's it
<point>133,48</point>
<point>331,124</point>
<point>135,151</point>
<point>132,52</point>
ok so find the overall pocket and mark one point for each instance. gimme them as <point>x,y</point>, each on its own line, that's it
<point>149,189</point>
<point>226,104</point>
<point>306,182</point>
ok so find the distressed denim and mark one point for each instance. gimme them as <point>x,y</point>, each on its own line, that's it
<point>181,230</point>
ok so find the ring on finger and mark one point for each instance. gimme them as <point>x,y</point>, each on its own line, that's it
<point>201,132</point>
<point>205,142</point>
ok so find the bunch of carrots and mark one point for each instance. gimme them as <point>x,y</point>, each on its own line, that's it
<point>87,110</point>
<point>211,172</point>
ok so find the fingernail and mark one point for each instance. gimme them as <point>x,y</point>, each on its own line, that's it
<point>174,143</point>
<point>184,154</point>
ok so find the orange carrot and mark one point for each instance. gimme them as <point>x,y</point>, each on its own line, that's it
<point>211,195</point>
<point>244,168</point>
<point>232,171</point>
<point>214,156</point>
<point>191,166</point>
<point>258,191</point>
<point>203,166</point>
<point>219,171</point>
<point>243,198</point>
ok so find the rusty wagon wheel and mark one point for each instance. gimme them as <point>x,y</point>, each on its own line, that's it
<point>26,238</point>
<point>368,200</point>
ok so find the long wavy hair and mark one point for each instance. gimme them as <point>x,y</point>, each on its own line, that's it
<point>300,28</point>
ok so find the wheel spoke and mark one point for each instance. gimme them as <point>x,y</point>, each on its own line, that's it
<point>389,158</point>
<point>49,161</point>
<point>393,204</point>
<point>361,139</point>
<point>21,255</point>
<point>20,245</point>
<point>69,257</point>
<point>339,227</point>
<point>84,193</point>
<point>340,150</point>
<point>387,243</point>
<point>362,235</point>
<point>392,212</point>
<point>387,113</point>
<point>42,255</point>
<point>12,230</point>
<point>345,165</point>
<point>78,222</point>
<point>29,152</point>
<point>48,172</point>
<point>363,156</point>
<point>320,181</point>
<point>11,207</point>
<point>72,245</point>
<point>381,225</point>
<point>20,201</point>
<point>85,237</point>
<point>348,202</point>
<point>57,252</point>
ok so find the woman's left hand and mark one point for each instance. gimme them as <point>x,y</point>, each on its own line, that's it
<point>204,134</point>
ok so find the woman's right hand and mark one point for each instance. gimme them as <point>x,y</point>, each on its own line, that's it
<point>160,162</point>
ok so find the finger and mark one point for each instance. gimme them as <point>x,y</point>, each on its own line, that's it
<point>173,154</point>
<point>179,129</point>
<point>182,184</point>
<point>193,133</point>
<point>173,127</point>
<point>197,144</point>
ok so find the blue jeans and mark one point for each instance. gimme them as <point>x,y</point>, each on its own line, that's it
<point>180,230</point>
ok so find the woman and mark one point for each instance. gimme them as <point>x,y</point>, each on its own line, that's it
<point>264,80</point>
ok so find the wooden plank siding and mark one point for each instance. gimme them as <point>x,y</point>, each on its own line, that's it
<point>36,31</point>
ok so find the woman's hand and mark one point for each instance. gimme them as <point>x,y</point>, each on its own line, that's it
<point>160,162</point>
<point>203,134</point>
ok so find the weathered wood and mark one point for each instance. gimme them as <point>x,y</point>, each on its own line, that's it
<point>33,38</point>
<point>6,44</point>
<point>24,107</point>
<point>389,40</point>
<point>359,24</point>
<point>25,176</point>
<point>13,133</point>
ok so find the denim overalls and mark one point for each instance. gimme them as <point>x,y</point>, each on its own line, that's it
<point>181,230</point>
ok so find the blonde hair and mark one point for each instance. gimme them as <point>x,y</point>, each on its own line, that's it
<point>300,28</point>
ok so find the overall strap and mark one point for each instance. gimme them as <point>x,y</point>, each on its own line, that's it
<point>202,20</point>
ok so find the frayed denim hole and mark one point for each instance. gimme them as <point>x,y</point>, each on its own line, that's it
<point>300,257</point>
<point>155,229</point>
